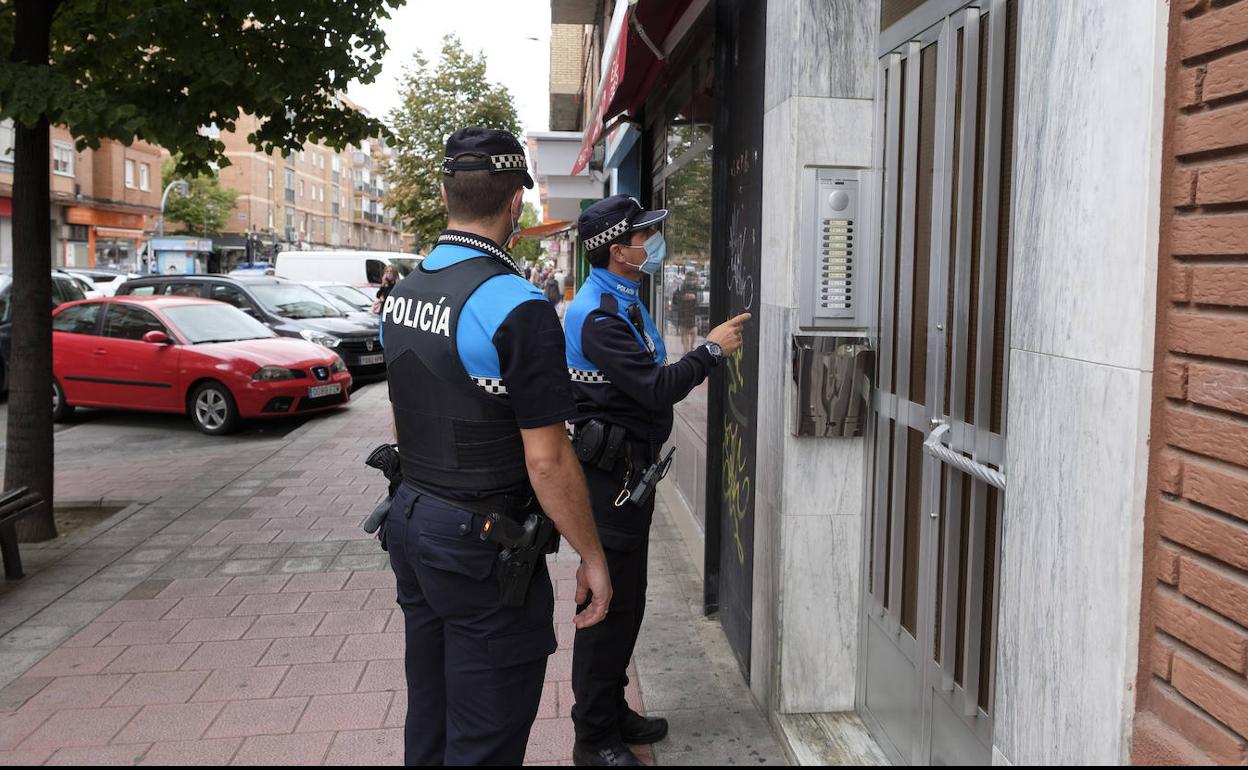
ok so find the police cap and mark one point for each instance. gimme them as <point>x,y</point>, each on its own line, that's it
<point>474,149</point>
<point>611,217</point>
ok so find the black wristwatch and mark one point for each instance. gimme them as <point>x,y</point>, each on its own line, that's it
<point>715,350</point>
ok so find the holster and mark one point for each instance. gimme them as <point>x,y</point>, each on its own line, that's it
<point>523,546</point>
<point>599,443</point>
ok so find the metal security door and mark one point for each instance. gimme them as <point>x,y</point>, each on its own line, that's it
<point>945,131</point>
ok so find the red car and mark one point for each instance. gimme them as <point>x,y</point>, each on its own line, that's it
<point>187,355</point>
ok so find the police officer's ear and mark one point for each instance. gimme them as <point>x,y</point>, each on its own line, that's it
<point>445,205</point>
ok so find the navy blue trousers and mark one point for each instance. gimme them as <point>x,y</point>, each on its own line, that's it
<point>474,668</point>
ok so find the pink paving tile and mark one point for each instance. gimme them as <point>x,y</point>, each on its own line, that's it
<point>24,758</point>
<point>275,716</point>
<point>269,604</point>
<point>566,698</point>
<point>383,675</point>
<point>381,599</point>
<point>286,523</point>
<point>235,684</point>
<point>320,649</point>
<point>204,607</point>
<point>372,647</point>
<point>559,666</point>
<point>80,727</point>
<point>176,721</point>
<point>317,581</point>
<point>217,751</point>
<point>398,710</point>
<point>367,748</point>
<point>348,533</point>
<point>275,626</point>
<point>250,538</point>
<point>355,711</point>
<point>100,755</point>
<point>300,536</point>
<point>372,579</point>
<point>227,654</point>
<point>565,589</point>
<point>214,629</point>
<point>91,634</point>
<point>160,687</point>
<point>255,584</point>
<point>138,609</point>
<point>330,601</point>
<point>550,740</point>
<point>397,624</point>
<point>321,678</point>
<point>566,634</point>
<point>16,726</point>
<point>284,750</point>
<point>183,587</point>
<point>238,525</point>
<point>142,632</point>
<point>548,708</point>
<point>78,691</point>
<point>359,622</point>
<point>151,657</point>
<point>15,694</point>
<point>72,661</point>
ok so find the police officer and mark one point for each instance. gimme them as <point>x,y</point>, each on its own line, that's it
<point>480,390</point>
<point>625,391</point>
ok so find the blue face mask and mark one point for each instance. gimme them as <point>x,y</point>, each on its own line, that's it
<point>656,252</point>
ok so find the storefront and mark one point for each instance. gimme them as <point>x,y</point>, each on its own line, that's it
<point>103,238</point>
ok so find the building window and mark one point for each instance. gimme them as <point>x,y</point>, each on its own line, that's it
<point>6,141</point>
<point>270,179</point>
<point>335,164</point>
<point>63,158</point>
<point>145,171</point>
<point>130,174</point>
<point>302,157</point>
<point>270,216</point>
<point>300,188</point>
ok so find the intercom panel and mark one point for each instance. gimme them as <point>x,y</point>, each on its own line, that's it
<point>832,294</point>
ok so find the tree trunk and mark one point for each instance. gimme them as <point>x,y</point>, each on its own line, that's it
<point>28,454</point>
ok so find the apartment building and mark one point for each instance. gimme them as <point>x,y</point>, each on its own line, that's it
<point>102,200</point>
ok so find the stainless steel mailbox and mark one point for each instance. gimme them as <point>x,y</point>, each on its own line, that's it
<point>831,384</point>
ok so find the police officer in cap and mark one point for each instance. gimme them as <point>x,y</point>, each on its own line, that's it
<point>625,391</point>
<point>480,390</point>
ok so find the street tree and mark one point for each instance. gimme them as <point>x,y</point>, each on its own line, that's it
<point>156,71</point>
<point>436,100</point>
<point>206,206</point>
<point>528,250</point>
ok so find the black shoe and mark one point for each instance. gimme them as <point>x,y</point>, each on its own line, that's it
<point>636,730</point>
<point>607,756</point>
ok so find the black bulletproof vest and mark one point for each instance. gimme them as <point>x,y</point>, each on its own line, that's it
<point>452,434</point>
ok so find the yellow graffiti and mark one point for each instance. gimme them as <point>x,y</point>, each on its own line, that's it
<point>736,477</point>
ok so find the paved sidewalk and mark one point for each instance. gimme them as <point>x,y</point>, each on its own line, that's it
<point>237,614</point>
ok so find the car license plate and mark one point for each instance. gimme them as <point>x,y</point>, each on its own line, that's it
<point>370,360</point>
<point>316,391</point>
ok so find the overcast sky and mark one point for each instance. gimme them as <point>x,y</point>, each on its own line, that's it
<point>500,28</point>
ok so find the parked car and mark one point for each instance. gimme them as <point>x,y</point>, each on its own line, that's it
<point>64,289</point>
<point>356,298</point>
<point>190,356</point>
<point>352,312</point>
<point>103,280</point>
<point>287,307</point>
<point>354,268</point>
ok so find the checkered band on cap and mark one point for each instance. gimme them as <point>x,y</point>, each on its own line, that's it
<point>509,163</point>
<point>606,236</point>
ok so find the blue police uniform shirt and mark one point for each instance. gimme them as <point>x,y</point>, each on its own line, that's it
<point>619,371</point>
<point>511,344</point>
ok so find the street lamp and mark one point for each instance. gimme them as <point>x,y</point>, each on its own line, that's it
<point>184,190</point>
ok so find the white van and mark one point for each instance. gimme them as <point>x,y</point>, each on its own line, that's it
<point>356,268</point>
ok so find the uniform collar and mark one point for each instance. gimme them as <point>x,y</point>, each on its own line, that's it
<point>629,291</point>
<point>480,243</point>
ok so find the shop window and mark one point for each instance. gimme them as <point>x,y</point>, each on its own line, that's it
<point>130,174</point>
<point>63,158</point>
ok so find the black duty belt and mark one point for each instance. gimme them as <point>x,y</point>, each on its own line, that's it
<point>511,506</point>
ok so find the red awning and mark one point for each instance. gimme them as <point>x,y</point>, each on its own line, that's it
<point>545,230</point>
<point>634,69</point>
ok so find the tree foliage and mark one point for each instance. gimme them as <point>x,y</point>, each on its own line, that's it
<point>157,71</point>
<point>528,249</point>
<point>435,102</point>
<point>206,206</point>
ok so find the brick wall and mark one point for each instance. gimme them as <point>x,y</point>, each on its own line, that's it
<point>1193,693</point>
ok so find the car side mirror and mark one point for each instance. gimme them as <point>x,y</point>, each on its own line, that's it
<point>157,338</point>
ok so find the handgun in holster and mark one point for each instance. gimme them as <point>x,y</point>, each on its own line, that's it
<point>384,458</point>
<point>523,545</point>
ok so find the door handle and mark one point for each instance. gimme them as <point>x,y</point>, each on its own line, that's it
<point>933,446</point>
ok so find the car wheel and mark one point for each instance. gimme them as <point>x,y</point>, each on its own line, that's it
<point>213,409</point>
<point>61,409</point>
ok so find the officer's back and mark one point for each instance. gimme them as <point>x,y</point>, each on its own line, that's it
<point>480,391</point>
